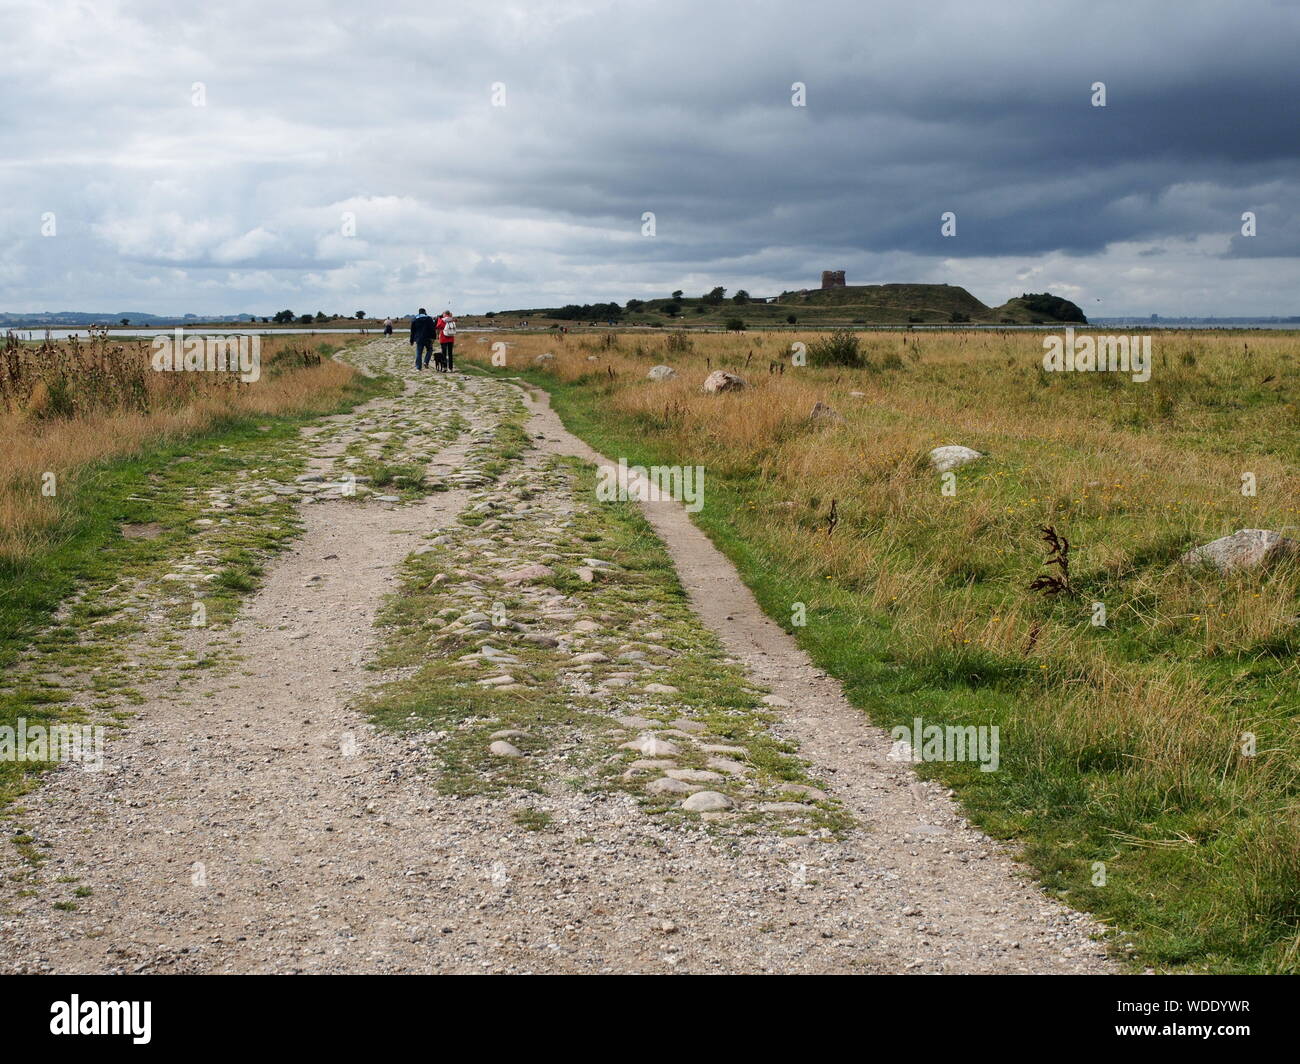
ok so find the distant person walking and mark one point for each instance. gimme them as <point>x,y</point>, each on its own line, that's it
<point>422,334</point>
<point>439,363</point>
<point>388,326</point>
<point>447,338</point>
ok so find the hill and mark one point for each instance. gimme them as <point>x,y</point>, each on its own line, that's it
<point>880,304</point>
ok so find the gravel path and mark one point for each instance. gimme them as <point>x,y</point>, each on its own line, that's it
<point>255,821</point>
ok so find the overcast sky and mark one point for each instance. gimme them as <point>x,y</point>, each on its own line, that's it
<point>385,112</point>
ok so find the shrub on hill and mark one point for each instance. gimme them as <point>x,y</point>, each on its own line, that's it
<point>1053,306</point>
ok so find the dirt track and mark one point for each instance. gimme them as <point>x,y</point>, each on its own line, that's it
<point>255,822</point>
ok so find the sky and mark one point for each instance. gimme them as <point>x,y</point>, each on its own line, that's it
<point>247,157</point>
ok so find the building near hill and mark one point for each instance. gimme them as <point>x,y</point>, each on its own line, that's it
<point>833,279</point>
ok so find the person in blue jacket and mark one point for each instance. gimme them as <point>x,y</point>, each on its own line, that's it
<point>422,330</point>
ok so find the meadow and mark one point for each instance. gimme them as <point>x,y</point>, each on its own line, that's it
<point>1149,763</point>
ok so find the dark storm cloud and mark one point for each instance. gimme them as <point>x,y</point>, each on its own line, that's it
<point>383,114</point>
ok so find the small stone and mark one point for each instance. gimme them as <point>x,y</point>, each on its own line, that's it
<point>775,700</point>
<point>652,747</point>
<point>707,802</point>
<point>529,574</point>
<point>661,373</point>
<point>804,790</point>
<point>504,749</point>
<point>660,689</point>
<point>693,775</point>
<point>667,785</point>
<point>509,733</point>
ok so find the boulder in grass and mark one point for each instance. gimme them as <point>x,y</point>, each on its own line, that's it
<point>1249,548</point>
<point>661,373</point>
<point>825,415</point>
<point>543,358</point>
<point>945,458</point>
<point>722,381</point>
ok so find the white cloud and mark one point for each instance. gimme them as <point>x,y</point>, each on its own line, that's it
<point>615,108</point>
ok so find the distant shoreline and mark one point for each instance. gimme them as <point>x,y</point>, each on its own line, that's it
<point>57,332</point>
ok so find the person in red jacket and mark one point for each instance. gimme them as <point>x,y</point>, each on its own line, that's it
<point>447,339</point>
<point>438,363</point>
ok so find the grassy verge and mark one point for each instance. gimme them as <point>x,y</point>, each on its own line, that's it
<point>1122,772</point>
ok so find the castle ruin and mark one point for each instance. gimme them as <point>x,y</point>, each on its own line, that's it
<point>833,279</point>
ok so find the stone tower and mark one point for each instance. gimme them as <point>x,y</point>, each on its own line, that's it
<point>833,279</point>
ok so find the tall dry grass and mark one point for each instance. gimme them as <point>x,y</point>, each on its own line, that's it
<point>67,405</point>
<point>1134,473</point>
